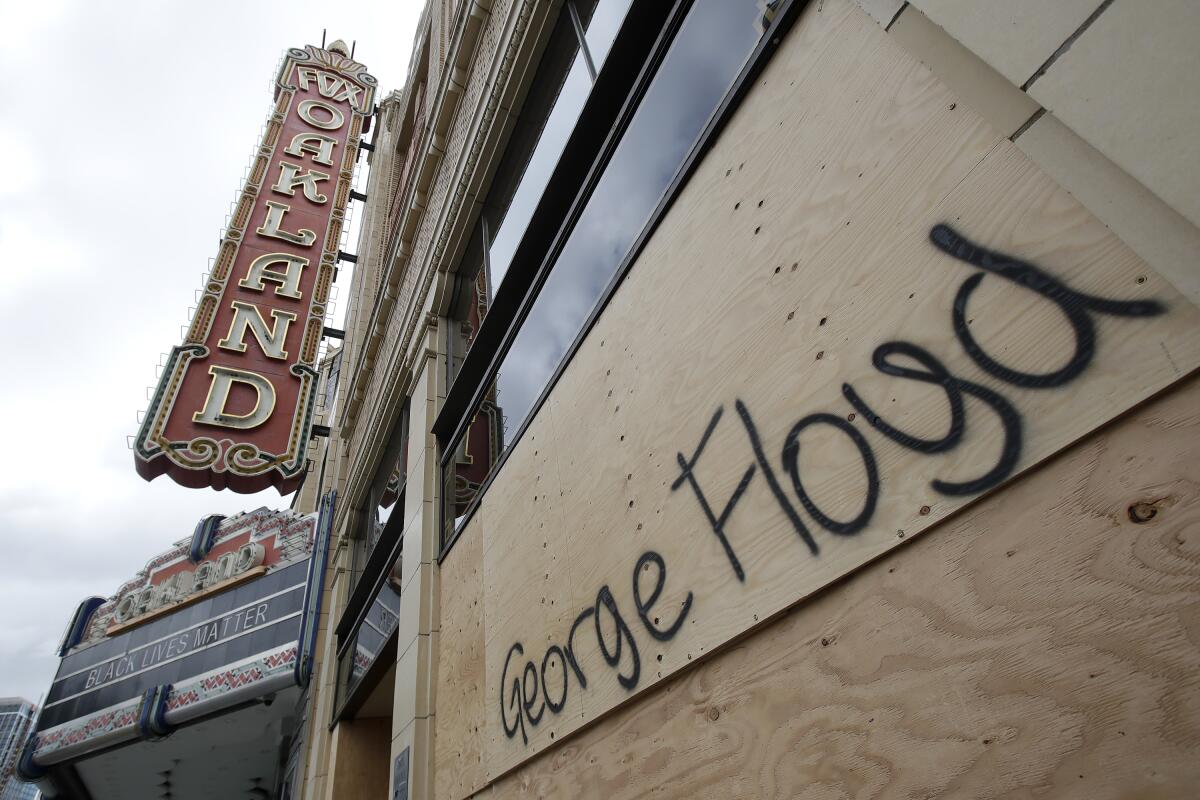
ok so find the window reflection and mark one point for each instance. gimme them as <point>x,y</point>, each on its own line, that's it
<point>551,110</point>
<point>474,456</point>
<point>331,381</point>
<point>386,498</point>
<point>472,296</point>
<point>548,116</point>
<point>369,639</point>
<point>600,21</point>
<point>390,483</point>
<point>602,27</point>
<point>391,500</point>
<point>700,66</point>
<point>533,182</point>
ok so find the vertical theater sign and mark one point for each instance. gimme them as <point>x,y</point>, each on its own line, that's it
<point>235,404</point>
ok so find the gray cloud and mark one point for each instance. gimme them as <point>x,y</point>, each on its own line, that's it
<point>125,127</point>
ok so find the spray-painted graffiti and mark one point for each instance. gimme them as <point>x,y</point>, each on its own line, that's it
<point>1076,306</point>
<point>527,693</point>
<point>528,696</point>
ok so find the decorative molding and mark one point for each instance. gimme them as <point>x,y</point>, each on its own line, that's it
<point>290,534</point>
<point>221,682</point>
<point>107,726</point>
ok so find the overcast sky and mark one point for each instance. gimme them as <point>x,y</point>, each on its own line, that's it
<point>125,128</point>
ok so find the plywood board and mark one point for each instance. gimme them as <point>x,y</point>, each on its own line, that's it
<point>976,83</point>
<point>810,237</point>
<point>1040,645</point>
<point>522,577</point>
<point>458,743</point>
<point>882,11</point>
<point>1154,230</point>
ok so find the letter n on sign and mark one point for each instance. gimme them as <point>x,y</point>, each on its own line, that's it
<point>234,407</point>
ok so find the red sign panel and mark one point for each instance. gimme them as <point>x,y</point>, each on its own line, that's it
<point>235,405</point>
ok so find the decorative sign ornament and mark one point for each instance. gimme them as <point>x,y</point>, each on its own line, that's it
<point>230,547</point>
<point>235,405</point>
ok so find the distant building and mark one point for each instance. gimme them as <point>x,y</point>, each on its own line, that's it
<point>16,717</point>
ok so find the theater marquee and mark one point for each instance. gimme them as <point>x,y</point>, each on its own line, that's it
<point>234,407</point>
<point>223,622</point>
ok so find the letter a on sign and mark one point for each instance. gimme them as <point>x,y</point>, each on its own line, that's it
<point>236,402</point>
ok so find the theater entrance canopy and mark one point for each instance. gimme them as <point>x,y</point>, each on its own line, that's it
<point>189,681</point>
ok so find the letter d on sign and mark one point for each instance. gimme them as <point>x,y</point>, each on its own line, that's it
<point>223,378</point>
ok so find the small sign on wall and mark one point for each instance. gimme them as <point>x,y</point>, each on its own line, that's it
<point>400,776</point>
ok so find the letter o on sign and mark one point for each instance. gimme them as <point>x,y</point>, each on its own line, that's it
<point>336,117</point>
<point>125,606</point>
<point>249,556</point>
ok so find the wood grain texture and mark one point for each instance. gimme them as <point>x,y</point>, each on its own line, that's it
<point>458,741</point>
<point>799,246</point>
<point>360,765</point>
<point>1041,644</point>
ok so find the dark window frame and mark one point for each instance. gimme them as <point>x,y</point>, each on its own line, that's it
<point>498,341</point>
<point>632,61</point>
<point>377,568</point>
<point>638,33</point>
<point>353,700</point>
<point>379,562</point>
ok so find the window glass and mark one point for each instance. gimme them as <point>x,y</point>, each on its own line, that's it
<point>386,496</point>
<point>699,68</point>
<point>548,116</point>
<point>559,125</point>
<point>473,280</point>
<point>369,639</point>
<point>331,382</point>
<point>474,456</point>
<point>472,296</point>
<point>389,493</point>
<point>601,22</point>
<point>602,28</point>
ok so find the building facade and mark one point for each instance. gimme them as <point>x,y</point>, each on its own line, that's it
<point>757,399</point>
<point>674,325</point>
<point>16,721</point>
